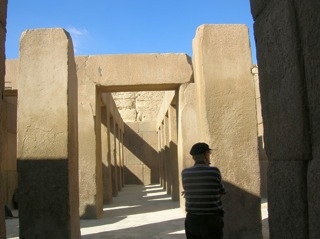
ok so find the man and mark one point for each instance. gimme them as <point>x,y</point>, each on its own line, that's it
<point>202,190</point>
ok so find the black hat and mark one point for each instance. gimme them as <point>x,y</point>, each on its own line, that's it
<point>199,148</point>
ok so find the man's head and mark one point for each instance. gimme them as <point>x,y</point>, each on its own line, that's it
<point>201,152</point>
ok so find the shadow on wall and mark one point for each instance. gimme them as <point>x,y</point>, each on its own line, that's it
<point>131,177</point>
<point>139,153</point>
<point>242,213</point>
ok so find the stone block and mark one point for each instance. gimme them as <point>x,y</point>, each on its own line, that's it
<point>123,95</point>
<point>309,35</point>
<point>146,175</point>
<point>313,198</point>
<point>228,121</point>
<point>48,136</point>
<point>11,157</point>
<point>283,99</point>
<point>125,104</point>
<point>147,126</point>
<point>287,199</point>
<point>152,138</point>
<point>133,174</point>
<point>132,127</point>
<point>128,114</point>
<point>125,72</point>
<point>258,6</point>
<point>132,159</point>
<point>11,77</point>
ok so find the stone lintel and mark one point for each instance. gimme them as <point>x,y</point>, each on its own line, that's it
<point>136,72</point>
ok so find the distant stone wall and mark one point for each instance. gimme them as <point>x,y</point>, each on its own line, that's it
<point>138,106</point>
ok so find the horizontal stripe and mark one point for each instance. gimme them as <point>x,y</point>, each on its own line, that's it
<point>202,187</point>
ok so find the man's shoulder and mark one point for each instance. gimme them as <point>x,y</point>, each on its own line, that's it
<point>215,168</point>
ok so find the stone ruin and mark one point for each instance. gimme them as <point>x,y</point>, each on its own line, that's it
<point>66,136</point>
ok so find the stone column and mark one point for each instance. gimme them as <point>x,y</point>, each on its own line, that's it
<point>309,33</point>
<point>160,154</point>
<point>167,158</point>
<point>114,157</point>
<point>287,39</point>
<point>90,163</point>
<point>106,160</point>
<point>118,156</point>
<point>48,136</point>
<point>122,155</point>
<point>173,136</point>
<point>188,129</point>
<point>3,23</point>
<point>163,157</point>
<point>227,116</point>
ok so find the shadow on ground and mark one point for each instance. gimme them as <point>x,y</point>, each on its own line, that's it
<point>138,212</point>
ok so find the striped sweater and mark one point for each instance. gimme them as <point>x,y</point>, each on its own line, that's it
<point>203,188</point>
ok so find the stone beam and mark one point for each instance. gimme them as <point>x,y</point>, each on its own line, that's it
<point>137,72</point>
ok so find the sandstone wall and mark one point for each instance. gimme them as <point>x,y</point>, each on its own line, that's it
<point>141,154</point>
<point>220,109</point>
<point>48,136</point>
<point>138,106</point>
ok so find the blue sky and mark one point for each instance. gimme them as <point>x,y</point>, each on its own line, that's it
<point>125,26</point>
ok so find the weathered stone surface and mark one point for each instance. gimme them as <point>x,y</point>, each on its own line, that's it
<point>287,39</point>
<point>141,153</point>
<point>258,6</point>
<point>188,129</point>
<point>11,77</point>
<point>283,98</point>
<point>287,197</point>
<point>309,35</point>
<point>47,139</point>
<point>142,72</point>
<point>227,117</point>
<point>313,198</point>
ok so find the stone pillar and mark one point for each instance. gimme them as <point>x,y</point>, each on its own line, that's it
<point>163,157</point>
<point>309,33</point>
<point>188,129</point>
<point>48,136</point>
<point>106,155</point>
<point>114,157</point>
<point>287,39</point>
<point>118,157</point>
<point>3,23</point>
<point>122,155</point>
<point>90,163</point>
<point>227,116</point>
<point>167,155</point>
<point>173,136</point>
<point>159,134</point>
